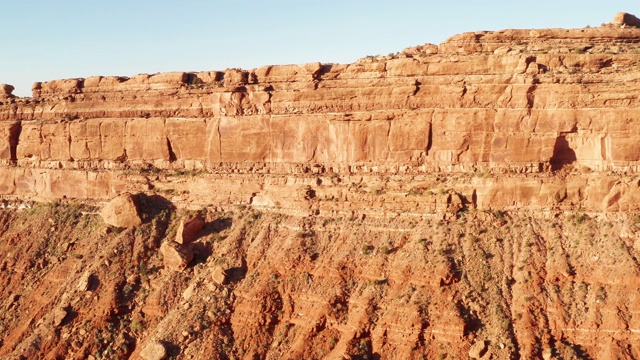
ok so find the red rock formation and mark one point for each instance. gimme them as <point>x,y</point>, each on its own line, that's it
<point>622,18</point>
<point>523,100</point>
<point>475,198</point>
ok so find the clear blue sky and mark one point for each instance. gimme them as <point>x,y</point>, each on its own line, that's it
<point>46,39</point>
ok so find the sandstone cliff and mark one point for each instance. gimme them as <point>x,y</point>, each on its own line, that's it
<point>513,101</point>
<point>473,198</point>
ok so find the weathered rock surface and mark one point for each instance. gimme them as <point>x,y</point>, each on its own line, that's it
<point>5,91</point>
<point>85,282</point>
<point>176,256</point>
<point>514,101</point>
<point>622,18</point>
<point>59,315</point>
<point>405,206</point>
<point>218,275</point>
<point>121,212</point>
<point>188,229</point>
<point>525,100</point>
<point>478,349</point>
<point>154,351</point>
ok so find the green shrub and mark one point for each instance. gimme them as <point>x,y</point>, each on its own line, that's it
<point>367,249</point>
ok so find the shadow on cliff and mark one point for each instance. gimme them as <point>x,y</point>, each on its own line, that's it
<point>563,154</point>
<point>203,249</point>
<point>157,210</point>
<point>151,206</point>
<point>216,226</point>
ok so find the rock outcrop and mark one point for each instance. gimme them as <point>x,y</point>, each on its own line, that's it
<point>622,18</point>
<point>176,256</point>
<point>154,351</point>
<point>514,101</point>
<point>188,229</point>
<point>477,198</point>
<point>6,91</point>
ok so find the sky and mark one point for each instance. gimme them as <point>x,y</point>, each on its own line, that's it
<point>46,39</point>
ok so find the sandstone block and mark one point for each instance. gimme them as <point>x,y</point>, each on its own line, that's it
<point>288,73</point>
<point>121,211</point>
<point>111,139</point>
<point>176,256</point>
<point>210,77</point>
<point>623,18</point>
<point>478,349</point>
<point>58,87</point>
<point>168,78</point>
<point>9,134</point>
<point>154,351</point>
<point>86,141</point>
<point>85,282</point>
<point>188,229</point>
<point>145,139</point>
<point>218,275</point>
<point>58,316</point>
<point>235,77</point>
<point>187,138</point>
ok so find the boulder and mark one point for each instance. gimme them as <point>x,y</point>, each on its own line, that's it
<point>623,18</point>
<point>121,212</point>
<point>154,351</point>
<point>218,275</point>
<point>176,256</point>
<point>478,349</point>
<point>85,282</point>
<point>58,316</point>
<point>188,229</point>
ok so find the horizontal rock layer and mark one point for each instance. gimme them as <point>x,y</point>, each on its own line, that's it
<point>513,101</point>
<point>524,100</point>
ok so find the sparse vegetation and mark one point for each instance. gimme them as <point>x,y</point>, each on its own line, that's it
<point>366,249</point>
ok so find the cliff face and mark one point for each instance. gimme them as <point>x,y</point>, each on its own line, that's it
<point>515,101</point>
<point>520,100</point>
<point>473,197</point>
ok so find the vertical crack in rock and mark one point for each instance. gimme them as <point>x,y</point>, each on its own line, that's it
<point>14,139</point>
<point>219,141</point>
<point>270,139</point>
<point>172,155</point>
<point>389,139</point>
<point>267,104</point>
<point>124,157</point>
<point>40,142</point>
<point>99,155</point>
<point>430,136</point>
<point>417,89</point>
<point>313,154</point>
<point>69,141</point>
<point>531,96</point>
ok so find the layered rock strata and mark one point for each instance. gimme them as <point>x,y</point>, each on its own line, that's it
<point>512,101</point>
<point>475,198</point>
<point>516,99</point>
